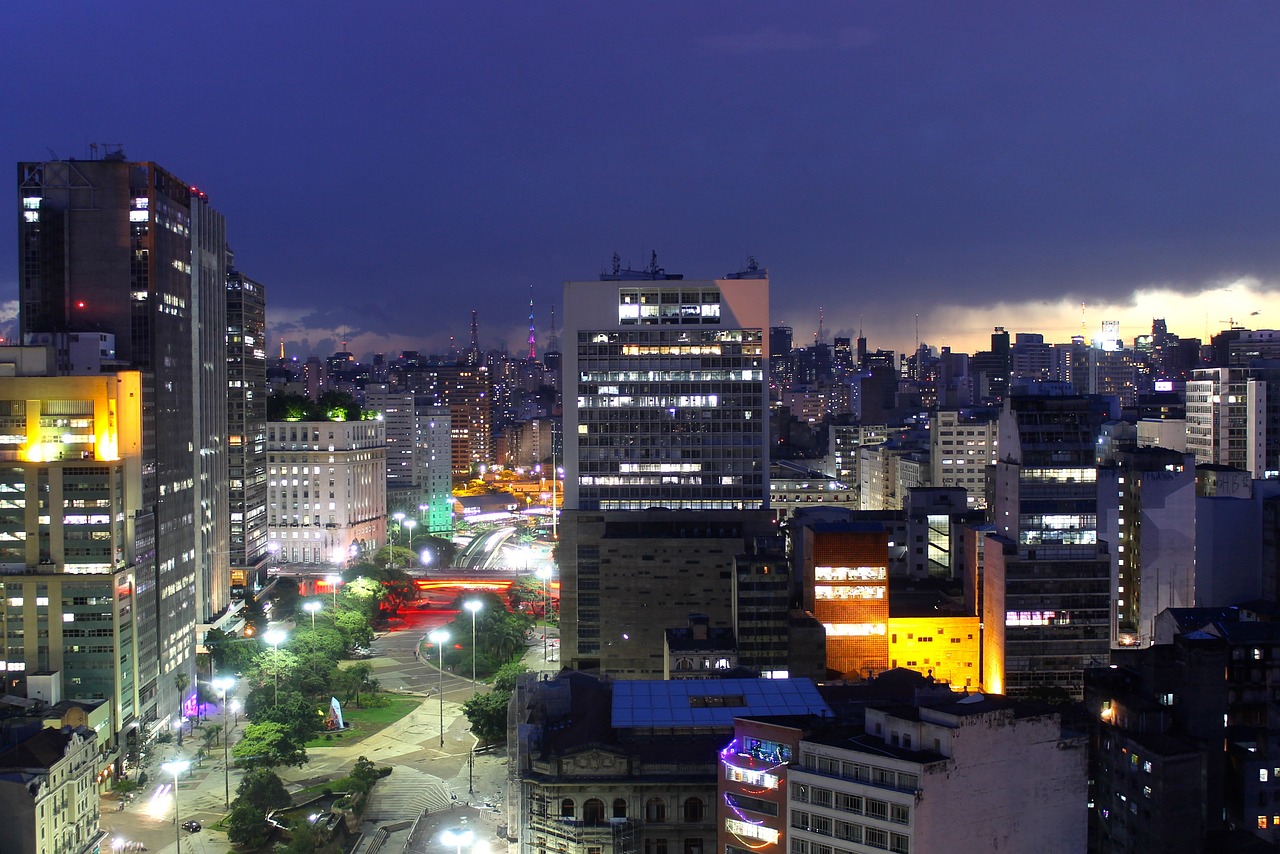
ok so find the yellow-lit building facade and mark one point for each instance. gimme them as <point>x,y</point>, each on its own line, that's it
<point>946,648</point>
<point>846,588</point>
<point>70,491</point>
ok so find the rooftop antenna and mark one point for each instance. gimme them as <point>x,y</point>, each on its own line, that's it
<point>917,333</point>
<point>817,338</point>
<point>1083,328</point>
<point>533,336</point>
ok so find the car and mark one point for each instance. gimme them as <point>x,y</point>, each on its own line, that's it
<point>191,826</point>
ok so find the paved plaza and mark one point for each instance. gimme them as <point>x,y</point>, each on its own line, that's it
<point>427,777</point>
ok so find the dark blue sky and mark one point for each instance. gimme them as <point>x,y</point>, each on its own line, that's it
<point>388,167</point>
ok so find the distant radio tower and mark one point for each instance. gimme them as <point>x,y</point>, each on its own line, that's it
<point>817,338</point>
<point>554,344</point>
<point>473,352</point>
<point>533,336</point>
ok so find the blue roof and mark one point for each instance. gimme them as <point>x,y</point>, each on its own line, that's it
<point>711,702</point>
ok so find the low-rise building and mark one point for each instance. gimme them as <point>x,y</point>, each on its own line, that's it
<point>48,800</point>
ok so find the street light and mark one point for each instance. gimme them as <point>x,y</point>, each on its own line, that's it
<point>223,684</point>
<point>275,637</point>
<point>440,637</point>
<point>235,710</point>
<point>176,767</point>
<point>311,608</point>
<point>409,525</point>
<point>334,580</point>
<point>399,517</point>
<point>544,572</point>
<point>474,606</point>
<point>458,838</point>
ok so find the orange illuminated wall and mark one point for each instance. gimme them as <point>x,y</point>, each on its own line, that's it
<point>948,648</point>
<point>847,590</point>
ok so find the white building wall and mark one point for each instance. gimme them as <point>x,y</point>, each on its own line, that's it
<point>1011,785</point>
<point>326,489</point>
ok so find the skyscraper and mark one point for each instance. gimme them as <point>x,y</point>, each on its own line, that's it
<point>1056,579</point>
<point>666,402</point>
<point>246,418</point>
<point>123,248</point>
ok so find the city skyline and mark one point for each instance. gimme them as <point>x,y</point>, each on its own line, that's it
<point>996,165</point>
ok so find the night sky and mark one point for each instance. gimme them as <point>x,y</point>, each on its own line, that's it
<point>385,168</point>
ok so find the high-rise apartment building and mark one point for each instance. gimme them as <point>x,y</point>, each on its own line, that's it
<point>246,419</point>
<point>127,249</point>
<point>1227,419</point>
<point>666,400</point>
<point>1147,516</point>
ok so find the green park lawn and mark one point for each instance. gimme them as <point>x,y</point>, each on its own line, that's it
<point>364,722</point>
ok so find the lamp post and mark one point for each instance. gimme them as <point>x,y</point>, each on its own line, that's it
<point>311,608</point>
<point>176,767</point>
<point>474,606</point>
<point>235,711</point>
<point>440,637</point>
<point>275,637</point>
<point>544,572</point>
<point>334,580</point>
<point>399,517</point>
<point>223,685</point>
<point>409,525</point>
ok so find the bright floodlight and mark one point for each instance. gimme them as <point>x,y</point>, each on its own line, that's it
<point>399,517</point>
<point>426,557</point>
<point>473,605</point>
<point>438,636</point>
<point>458,838</point>
<point>311,607</point>
<point>223,684</point>
<point>333,579</point>
<point>275,637</point>
<point>543,572</point>
<point>176,766</point>
<point>410,524</point>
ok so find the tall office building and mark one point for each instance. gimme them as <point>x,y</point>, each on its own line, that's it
<point>1056,578</point>
<point>246,420</point>
<point>126,248</point>
<point>71,468</point>
<point>666,402</point>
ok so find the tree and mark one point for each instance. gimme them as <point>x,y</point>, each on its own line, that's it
<point>322,640</point>
<point>210,735</point>
<point>355,629</point>
<point>303,838</point>
<point>264,790</point>
<point>355,679</point>
<point>487,714</point>
<point>505,679</point>
<point>181,680</point>
<point>246,825</point>
<point>216,641</point>
<point>268,744</point>
<point>364,774</point>
<point>363,594</point>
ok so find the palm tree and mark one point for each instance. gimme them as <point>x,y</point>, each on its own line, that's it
<point>180,681</point>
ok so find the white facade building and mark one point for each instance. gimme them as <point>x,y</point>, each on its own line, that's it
<point>1226,418</point>
<point>49,795</point>
<point>326,489</point>
<point>972,775</point>
<point>961,449</point>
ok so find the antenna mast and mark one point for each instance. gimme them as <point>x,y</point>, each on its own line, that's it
<point>533,336</point>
